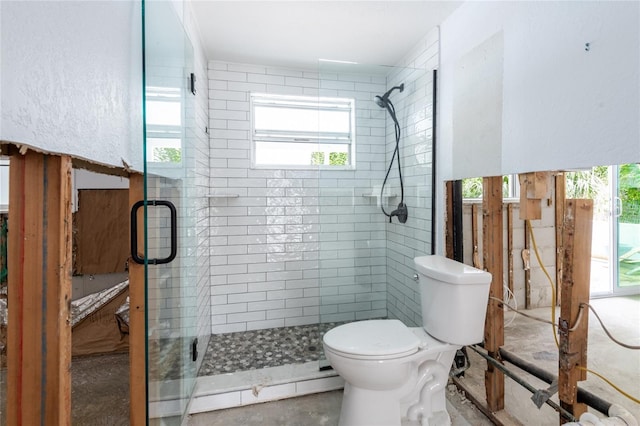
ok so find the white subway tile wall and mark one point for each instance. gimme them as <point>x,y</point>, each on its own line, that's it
<point>404,242</point>
<point>298,247</point>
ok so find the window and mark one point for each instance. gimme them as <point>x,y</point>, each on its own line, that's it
<point>298,131</point>
<point>164,121</point>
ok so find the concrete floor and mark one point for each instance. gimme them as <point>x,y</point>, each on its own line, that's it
<point>322,409</point>
<point>533,341</point>
<point>101,390</point>
<point>530,340</point>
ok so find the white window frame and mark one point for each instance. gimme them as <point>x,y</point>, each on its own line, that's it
<point>173,95</point>
<point>315,137</point>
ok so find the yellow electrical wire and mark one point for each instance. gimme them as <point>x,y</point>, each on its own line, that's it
<point>553,316</point>
<point>610,383</point>
<point>553,289</point>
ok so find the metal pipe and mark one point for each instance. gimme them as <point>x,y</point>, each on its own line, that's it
<point>584,396</point>
<point>564,413</point>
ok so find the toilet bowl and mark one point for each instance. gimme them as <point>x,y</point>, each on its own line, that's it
<point>385,366</point>
<point>394,373</point>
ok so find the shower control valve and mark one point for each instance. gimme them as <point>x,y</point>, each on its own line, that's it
<point>401,212</point>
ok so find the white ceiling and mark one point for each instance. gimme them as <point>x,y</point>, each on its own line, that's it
<point>298,33</point>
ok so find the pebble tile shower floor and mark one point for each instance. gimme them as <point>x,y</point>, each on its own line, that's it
<point>273,347</point>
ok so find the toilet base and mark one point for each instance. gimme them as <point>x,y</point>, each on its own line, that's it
<point>377,409</point>
<point>365,407</point>
<point>421,401</point>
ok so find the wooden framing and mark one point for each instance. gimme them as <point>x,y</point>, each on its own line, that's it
<point>448,231</point>
<point>573,327</point>
<point>137,319</point>
<point>560,197</point>
<point>526,259</point>
<point>493,263</point>
<point>533,188</point>
<point>474,236</point>
<point>40,261</point>
<point>510,247</point>
<point>573,244</point>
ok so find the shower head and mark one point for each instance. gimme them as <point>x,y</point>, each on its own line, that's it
<point>381,101</point>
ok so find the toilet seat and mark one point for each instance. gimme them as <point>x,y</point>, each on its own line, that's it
<point>373,339</point>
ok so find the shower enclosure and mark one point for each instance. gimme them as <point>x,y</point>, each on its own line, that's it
<point>292,250</point>
<point>298,249</point>
<point>365,260</point>
<point>170,213</point>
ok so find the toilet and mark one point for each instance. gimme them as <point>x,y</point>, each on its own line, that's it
<point>397,375</point>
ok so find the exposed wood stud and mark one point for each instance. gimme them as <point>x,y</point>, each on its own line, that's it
<point>474,236</point>
<point>456,200</point>
<point>533,188</point>
<point>510,247</point>
<point>493,262</point>
<point>137,319</point>
<point>526,259</point>
<point>577,232</point>
<point>448,234</point>
<point>560,197</point>
<point>40,247</point>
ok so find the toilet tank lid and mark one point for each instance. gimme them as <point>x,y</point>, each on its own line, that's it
<point>372,338</point>
<point>451,271</point>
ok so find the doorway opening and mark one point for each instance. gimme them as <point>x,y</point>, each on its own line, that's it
<point>615,266</point>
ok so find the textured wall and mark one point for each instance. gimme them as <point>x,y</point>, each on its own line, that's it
<point>564,106</point>
<point>71,78</point>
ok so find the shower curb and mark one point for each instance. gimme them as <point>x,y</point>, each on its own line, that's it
<point>268,384</point>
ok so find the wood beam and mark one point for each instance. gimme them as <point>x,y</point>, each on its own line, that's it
<point>493,263</point>
<point>448,232</point>
<point>560,198</point>
<point>533,188</point>
<point>577,230</point>
<point>40,260</point>
<point>137,318</point>
<point>474,236</point>
<point>510,248</point>
<point>526,261</point>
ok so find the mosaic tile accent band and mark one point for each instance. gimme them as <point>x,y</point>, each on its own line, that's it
<point>272,347</point>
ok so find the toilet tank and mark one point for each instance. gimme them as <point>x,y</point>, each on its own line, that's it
<point>454,299</point>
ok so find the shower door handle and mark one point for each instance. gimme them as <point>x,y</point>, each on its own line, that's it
<point>134,232</point>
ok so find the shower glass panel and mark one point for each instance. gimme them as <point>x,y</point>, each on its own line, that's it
<point>169,173</point>
<point>365,262</point>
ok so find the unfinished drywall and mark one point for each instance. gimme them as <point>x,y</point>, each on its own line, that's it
<point>72,78</point>
<point>565,104</point>
<point>570,86</point>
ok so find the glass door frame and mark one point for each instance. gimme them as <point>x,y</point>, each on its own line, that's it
<point>614,207</point>
<point>617,210</point>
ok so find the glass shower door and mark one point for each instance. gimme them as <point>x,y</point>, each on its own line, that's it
<point>170,219</point>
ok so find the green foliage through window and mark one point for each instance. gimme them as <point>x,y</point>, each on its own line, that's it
<point>167,155</point>
<point>629,192</point>
<point>338,158</point>
<point>472,187</point>
<point>317,158</point>
<point>335,158</point>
